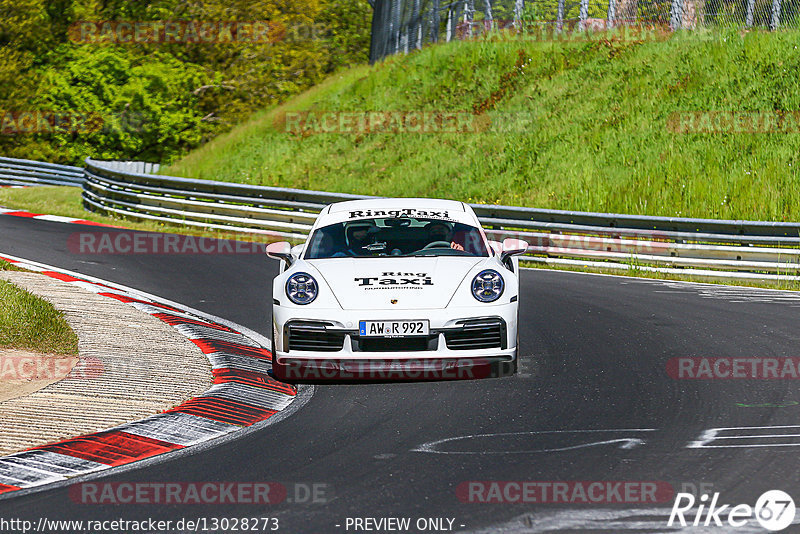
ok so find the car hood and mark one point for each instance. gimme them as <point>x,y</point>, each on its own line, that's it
<point>395,283</point>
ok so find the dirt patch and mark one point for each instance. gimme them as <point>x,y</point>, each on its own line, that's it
<point>23,372</point>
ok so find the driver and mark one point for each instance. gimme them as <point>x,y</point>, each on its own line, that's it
<point>357,238</point>
<point>441,231</point>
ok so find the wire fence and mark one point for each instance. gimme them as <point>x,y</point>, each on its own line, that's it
<point>400,26</point>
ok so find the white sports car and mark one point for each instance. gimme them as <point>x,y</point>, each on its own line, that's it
<point>389,289</point>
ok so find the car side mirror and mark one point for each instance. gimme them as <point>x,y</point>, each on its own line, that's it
<point>281,250</point>
<point>512,247</point>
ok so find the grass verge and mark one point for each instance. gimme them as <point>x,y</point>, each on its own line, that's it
<point>598,129</point>
<point>28,322</point>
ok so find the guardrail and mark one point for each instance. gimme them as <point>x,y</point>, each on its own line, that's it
<point>701,247</point>
<point>25,172</point>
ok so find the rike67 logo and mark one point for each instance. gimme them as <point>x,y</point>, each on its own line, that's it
<point>774,510</point>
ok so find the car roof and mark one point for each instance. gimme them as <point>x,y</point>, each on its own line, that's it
<point>428,208</point>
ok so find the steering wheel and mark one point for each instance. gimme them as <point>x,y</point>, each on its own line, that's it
<point>437,244</point>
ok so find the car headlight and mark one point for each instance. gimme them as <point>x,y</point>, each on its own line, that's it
<point>487,286</point>
<point>301,288</point>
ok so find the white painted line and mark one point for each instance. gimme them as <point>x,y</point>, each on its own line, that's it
<point>263,398</point>
<point>223,360</point>
<point>53,462</point>
<point>179,428</point>
<point>627,442</point>
<point>193,331</point>
<point>56,218</point>
<point>715,435</point>
<point>18,475</point>
<point>152,310</point>
<point>94,288</point>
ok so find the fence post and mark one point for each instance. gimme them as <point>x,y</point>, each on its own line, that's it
<point>395,26</point>
<point>775,19</point>
<point>469,15</point>
<point>584,14</point>
<point>611,14</point>
<point>519,6</point>
<point>449,23</point>
<point>435,21</point>
<point>380,37</point>
<point>560,16</point>
<point>751,4</point>
<point>415,27</point>
<point>676,15</point>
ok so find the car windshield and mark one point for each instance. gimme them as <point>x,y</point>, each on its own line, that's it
<point>396,236</point>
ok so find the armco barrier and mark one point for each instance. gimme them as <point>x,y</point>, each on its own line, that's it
<point>24,172</point>
<point>705,247</point>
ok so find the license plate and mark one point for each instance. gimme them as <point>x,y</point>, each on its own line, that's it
<point>393,328</point>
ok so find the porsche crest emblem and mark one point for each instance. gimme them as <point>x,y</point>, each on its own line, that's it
<point>394,301</point>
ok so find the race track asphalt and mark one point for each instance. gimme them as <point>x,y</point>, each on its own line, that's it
<point>592,402</point>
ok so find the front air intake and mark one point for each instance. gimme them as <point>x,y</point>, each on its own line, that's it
<point>475,334</point>
<point>314,337</point>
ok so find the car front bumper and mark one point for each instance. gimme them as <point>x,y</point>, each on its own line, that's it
<point>320,344</point>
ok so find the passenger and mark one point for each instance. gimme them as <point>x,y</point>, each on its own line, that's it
<point>441,231</point>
